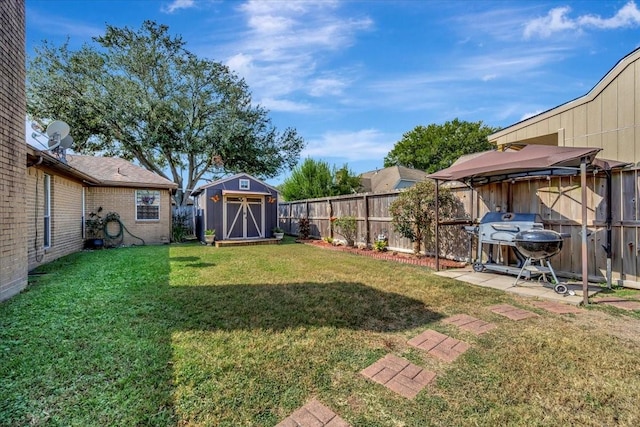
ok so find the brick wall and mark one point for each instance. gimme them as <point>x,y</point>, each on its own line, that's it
<point>13,246</point>
<point>122,201</point>
<point>66,216</point>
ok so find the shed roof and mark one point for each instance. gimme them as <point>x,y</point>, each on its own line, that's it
<point>117,172</point>
<point>491,166</point>
<point>221,181</point>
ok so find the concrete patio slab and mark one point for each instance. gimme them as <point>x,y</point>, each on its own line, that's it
<point>470,323</point>
<point>313,414</point>
<point>527,288</point>
<point>399,375</point>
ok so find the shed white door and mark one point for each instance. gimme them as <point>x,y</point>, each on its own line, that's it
<point>243,217</point>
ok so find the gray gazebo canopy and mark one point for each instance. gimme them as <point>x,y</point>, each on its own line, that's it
<point>529,160</point>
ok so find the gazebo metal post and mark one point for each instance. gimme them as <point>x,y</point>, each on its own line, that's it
<point>609,220</point>
<point>437,226</point>
<point>585,269</point>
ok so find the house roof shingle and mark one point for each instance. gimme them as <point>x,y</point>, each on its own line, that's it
<point>387,179</point>
<point>117,172</point>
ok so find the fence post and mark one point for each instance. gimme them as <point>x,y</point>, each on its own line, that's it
<point>330,216</point>
<point>366,219</point>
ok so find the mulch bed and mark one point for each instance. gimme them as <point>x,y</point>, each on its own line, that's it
<point>425,261</point>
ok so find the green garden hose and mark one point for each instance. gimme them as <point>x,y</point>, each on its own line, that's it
<point>114,217</point>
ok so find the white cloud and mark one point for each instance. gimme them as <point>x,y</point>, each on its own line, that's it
<point>557,20</point>
<point>177,5</point>
<point>286,44</point>
<point>366,144</point>
<point>554,22</point>
<point>284,105</point>
<point>628,16</point>
<point>326,86</point>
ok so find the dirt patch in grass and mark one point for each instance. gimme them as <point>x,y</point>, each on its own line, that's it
<point>624,327</point>
<point>405,258</point>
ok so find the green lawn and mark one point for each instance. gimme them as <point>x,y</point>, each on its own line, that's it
<point>194,335</point>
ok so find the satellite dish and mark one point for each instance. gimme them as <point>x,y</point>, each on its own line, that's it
<point>57,127</point>
<point>66,142</point>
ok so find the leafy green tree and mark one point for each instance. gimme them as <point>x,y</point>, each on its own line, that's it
<point>315,178</point>
<point>141,95</point>
<point>413,213</point>
<point>436,147</point>
<point>345,181</point>
<point>309,180</point>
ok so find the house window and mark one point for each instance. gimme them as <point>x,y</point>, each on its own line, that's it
<point>244,184</point>
<point>47,211</point>
<point>147,205</point>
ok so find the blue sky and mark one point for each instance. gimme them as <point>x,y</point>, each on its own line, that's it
<point>353,76</point>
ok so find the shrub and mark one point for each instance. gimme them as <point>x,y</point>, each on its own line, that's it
<point>304,228</point>
<point>413,212</point>
<point>347,226</point>
<point>179,228</point>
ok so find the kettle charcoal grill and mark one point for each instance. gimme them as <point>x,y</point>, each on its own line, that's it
<point>539,246</point>
<point>501,228</point>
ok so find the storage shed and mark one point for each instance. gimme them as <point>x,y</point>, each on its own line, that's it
<point>237,207</point>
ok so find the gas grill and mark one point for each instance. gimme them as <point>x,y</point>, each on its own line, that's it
<point>500,229</point>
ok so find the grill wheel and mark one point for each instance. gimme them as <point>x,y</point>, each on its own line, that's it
<point>478,267</point>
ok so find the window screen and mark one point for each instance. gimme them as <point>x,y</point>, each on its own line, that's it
<point>147,205</point>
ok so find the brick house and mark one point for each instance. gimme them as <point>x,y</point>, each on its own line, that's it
<point>141,197</point>
<point>54,207</point>
<point>13,223</point>
<point>60,196</point>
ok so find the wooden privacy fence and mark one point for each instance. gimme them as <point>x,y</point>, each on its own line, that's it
<point>373,218</point>
<point>556,199</point>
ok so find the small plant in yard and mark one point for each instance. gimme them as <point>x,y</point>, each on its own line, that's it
<point>304,228</point>
<point>179,227</point>
<point>278,230</point>
<point>328,239</point>
<point>380,245</point>
<point>209,236</point>
<point>95,225</point>
<point>347,226</point>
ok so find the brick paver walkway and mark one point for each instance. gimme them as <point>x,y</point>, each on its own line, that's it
<point>399,375</point>
<point>313,414</point>
<point>511,312</point>
<point>470,323</point>
<point>439,345</point>
<point>557,307</point>
<point>622,303</point>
